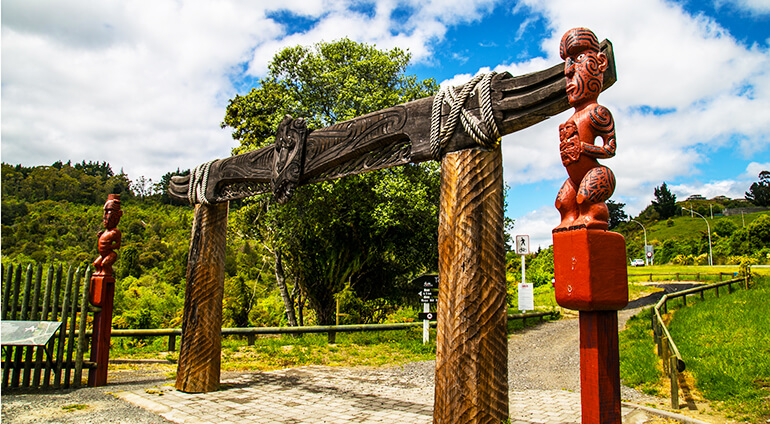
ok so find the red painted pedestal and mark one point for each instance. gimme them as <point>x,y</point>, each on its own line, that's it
<point>591,277</point>
<point>590,270</point>
<point>102,294</point>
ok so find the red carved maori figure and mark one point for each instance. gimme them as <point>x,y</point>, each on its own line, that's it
<point>581,199</point>
<point>109,238</point>
<point>102,290</point>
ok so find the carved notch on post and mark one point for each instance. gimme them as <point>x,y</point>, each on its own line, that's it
<point>288,157</point>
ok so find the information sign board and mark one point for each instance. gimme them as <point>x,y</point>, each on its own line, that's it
<point>526,297</point>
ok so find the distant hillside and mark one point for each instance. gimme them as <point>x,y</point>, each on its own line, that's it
<point>684,238</point>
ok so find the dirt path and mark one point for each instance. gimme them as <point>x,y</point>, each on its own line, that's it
<point>547,357</point>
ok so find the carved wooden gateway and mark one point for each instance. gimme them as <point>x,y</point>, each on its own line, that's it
<point>461,127</point>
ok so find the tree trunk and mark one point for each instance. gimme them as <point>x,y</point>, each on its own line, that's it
<point>288,302</point>
<point>471,346</point>
<point>297,293</point>
<point>199,364</point>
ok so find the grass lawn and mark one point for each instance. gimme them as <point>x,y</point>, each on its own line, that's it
<point>639,365</point>
<point>688,272</point>
<point>725,342</point>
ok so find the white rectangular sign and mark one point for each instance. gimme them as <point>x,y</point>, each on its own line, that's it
<point>522,245</point>
<point>526,297</point>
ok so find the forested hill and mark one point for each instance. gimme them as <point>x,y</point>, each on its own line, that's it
<point>52,214</point>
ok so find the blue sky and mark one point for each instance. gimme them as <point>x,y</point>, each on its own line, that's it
<point>144,85</point>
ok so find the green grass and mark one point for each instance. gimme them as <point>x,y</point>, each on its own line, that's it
<point>688,272</point>
<point>685,226</point>
<point>725,342</point>
<point>274,352</point>
<point>639,366</point>
<point>390,348</point>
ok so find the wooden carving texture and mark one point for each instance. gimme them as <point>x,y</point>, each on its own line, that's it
<point>472,349</point>
<point>199,354</point>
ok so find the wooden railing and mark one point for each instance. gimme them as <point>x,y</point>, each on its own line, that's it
<point>252,332</point>
<point>64,298</point>
<point>678,275</point>
<point>673,364</point>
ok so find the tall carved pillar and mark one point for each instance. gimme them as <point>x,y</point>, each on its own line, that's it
<point>200,352</point>
<point>472,349</point>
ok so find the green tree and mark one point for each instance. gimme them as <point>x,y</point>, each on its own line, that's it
<point>617,215</point>
<point>759,192</point>
<point>371,232</point>
<point>665,202</point>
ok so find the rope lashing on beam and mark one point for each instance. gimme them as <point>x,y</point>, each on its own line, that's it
<point>441,134</point>
<point>199,177</point>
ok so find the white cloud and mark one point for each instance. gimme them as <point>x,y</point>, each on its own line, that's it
<point>753,169</point>
<point>760,7</point>
<point>145,86</point>
<point>538,224</point>
<point>141,87</point>
<point>730,188</point>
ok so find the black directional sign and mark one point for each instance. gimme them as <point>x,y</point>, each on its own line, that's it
<point>428,300</point>
<point>430,316</point>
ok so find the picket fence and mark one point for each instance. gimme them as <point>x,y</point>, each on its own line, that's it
<point>63,298</point>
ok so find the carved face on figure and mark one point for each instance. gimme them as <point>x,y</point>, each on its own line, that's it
<point>112,213</point>
<point>584,65</point>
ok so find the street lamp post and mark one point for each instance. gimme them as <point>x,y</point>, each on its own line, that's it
<point>708,228</point>
<point>646,259</point>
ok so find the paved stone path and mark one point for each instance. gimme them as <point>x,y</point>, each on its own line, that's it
<point>338,395</point>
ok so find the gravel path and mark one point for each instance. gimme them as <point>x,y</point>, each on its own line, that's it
<point>89,405</point>
<point>544,357</point>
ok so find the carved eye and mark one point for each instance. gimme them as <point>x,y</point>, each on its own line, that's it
<point>581,56</point>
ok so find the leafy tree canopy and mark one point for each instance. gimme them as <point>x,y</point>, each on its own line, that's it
<point>759,192</point>
<point>325,84</point>
<point>665,202</point>
<point>365,233</point>
<point>617,215</point>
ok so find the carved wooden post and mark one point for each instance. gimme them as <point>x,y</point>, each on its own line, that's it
<point>472,349</point>
<point>589,261</point>
<point>200,352</point>
<point>599,367</point>
<point>102,291</point>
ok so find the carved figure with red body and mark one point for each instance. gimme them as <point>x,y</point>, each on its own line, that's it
<point>581,199</point>
<point>109,239</point>
<point>102,290</point>
<point>589,261</point>
<point>109,242</point>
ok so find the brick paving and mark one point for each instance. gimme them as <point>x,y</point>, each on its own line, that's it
<point>336,396</point>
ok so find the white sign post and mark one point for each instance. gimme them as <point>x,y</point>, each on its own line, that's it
<point>526,292</point>
<point>427,296</point>
<point>425,324</point>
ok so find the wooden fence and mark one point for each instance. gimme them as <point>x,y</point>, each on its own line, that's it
<point>251,332</point>
<point>678,276</point>
<point>63,298</point>
<point>673,364</point>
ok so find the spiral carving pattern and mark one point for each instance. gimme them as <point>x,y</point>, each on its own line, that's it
<point>471,351</point>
